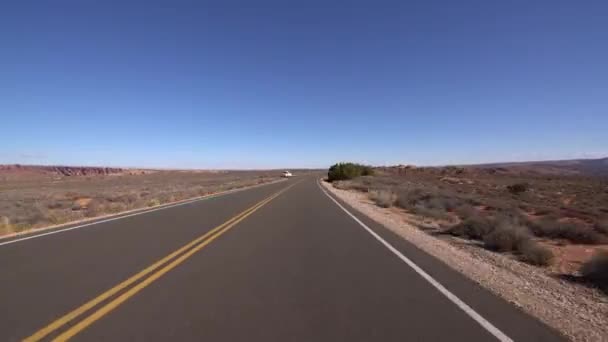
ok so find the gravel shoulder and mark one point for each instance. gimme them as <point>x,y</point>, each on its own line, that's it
<point>579,312</point>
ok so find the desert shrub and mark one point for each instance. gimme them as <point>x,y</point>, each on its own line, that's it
<point>473,227</point>
<point>425,203</point>
<point>439,201</point>
<point>544,211</point>
<point>580,234</point>
<point>506,237</point>
<point>403,199</point>
<point>511,215</point>
<point>533,253</point>
<point>345,171</point>
<point>518,188</point>
<point>596,270</point>
<point>408,198</point>
<point>602,227</point>
<point>429,212</point>
<point>38,216</point>
<point>573,232</point>
<point>382,198</point>
<point>465,210</point>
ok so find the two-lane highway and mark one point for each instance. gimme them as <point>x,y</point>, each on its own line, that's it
<point>280,262</point>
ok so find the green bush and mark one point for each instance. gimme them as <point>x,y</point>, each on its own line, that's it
<point>345,171</point>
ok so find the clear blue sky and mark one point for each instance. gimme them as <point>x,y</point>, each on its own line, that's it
<point>229,84</point>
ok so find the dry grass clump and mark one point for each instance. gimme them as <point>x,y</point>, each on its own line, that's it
<point>116,207</point>
<point>382,198</point>
<point>5,225</point>
<point>94,208</point>
<point>153,202</point>
<point>351,185</point>
<point>432,204</point>
<point>39,214</point>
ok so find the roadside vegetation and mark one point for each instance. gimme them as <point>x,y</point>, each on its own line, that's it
<point>33,200</point>
<point>596,270</point>
<point>530,217</point>
<point>345,171</point>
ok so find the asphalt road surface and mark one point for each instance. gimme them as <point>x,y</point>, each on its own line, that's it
<point>279,262</point>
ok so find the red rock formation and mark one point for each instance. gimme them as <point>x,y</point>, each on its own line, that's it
<point>63,170</point>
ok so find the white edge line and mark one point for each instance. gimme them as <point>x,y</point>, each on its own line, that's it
<point>143,211</point>
<point>452,297</point>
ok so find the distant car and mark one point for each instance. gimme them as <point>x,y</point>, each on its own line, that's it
<point>286,174</point>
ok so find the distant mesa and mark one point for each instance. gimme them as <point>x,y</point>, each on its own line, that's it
<point>580,167</point>
<point>66,171</point>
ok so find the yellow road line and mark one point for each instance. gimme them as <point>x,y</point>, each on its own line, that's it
<point>40,334</point>
<point>134,290</point>
<point>128,294</point>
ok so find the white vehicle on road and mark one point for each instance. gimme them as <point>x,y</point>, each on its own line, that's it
<point>286,174</point>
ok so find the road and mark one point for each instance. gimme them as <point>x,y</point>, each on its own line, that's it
<point>279,262</point>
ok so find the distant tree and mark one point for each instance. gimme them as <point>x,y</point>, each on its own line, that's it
<point>344,171</point>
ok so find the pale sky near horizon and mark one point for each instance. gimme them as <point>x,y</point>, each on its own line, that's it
<point>273,84</point>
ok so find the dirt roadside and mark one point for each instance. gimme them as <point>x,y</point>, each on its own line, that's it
<point>580,313</point>
<point>129,212</point>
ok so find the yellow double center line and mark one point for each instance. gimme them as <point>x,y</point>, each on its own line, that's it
<point>178,257</point>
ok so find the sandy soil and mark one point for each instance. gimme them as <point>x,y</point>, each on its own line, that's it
<point>36,198</point>
<point>130,212</point>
